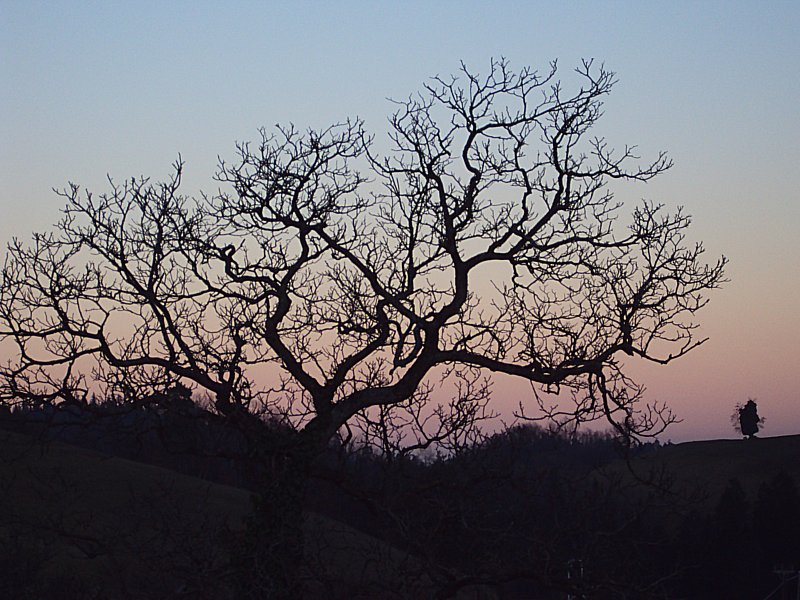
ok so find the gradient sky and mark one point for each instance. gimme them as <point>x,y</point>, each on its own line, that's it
<point>120,88</point>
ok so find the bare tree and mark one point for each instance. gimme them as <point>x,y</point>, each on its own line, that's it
<point>485,239</point>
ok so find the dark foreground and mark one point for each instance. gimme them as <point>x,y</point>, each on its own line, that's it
<point>526,515</point>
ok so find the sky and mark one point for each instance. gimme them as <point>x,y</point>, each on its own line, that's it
<point>96,89</point>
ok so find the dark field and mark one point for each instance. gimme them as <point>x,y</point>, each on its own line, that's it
<point>82,524</point>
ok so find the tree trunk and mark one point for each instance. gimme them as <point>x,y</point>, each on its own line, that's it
<point>273,561</point>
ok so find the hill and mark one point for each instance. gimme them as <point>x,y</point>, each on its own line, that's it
<point>78,523</point>
<point>707,466</point>
<point>75,523</point>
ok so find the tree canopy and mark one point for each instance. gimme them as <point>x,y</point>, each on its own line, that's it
<point>485,239</point>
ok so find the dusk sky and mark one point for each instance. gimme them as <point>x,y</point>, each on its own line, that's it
<point>92,89</point>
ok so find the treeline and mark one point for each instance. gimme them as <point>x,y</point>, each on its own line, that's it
<point>747,546</point>
<point>175,433</point>
<point>526,512</point>
<point>170,431</point>
<point>530,509</point>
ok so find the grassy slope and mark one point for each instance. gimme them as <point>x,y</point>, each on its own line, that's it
<point>69,513</point>
<point>109,521</point>
<point>708,466</point>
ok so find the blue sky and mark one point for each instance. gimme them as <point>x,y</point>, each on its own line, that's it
<point>121,88</point>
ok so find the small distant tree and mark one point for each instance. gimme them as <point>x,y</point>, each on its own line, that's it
<point>745,418</point>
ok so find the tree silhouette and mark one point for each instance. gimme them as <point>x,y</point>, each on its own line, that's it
<point>486,239</point>
<point>746,420</point>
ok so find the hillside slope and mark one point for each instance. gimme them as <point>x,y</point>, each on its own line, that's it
<point>707,466</point>
<point>78,524</point>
